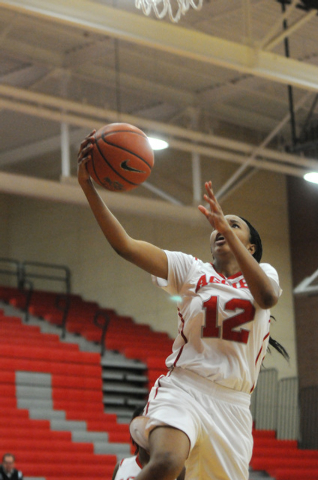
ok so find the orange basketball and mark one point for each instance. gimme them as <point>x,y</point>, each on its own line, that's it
<point>122,157</point>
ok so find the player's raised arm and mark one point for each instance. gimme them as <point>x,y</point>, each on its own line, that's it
<point>258,282</point>
<point>145,255</point>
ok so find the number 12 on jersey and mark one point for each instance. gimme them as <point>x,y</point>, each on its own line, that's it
<point>229,328</point>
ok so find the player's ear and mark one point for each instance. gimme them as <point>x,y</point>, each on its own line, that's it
<point>251,248</point>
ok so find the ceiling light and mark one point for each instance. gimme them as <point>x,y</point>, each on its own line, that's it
<point>311,177</point>
<point>157,143</point>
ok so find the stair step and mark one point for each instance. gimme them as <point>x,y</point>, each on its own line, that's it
<point>124,388</point>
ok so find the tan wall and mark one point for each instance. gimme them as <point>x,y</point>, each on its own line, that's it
<point>4,238</point>
<point>65,234</point>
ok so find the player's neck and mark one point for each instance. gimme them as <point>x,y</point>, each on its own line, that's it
<point>226,266</point>
<point>143,457</point>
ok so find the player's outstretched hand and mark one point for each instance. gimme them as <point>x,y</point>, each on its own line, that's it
<point>215,215</point>
<point>84,156</point>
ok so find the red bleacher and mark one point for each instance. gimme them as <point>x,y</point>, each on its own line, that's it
<point>282,459</point>
<point>135,341</point>
<point>76,379</point>
<point>76,389</point>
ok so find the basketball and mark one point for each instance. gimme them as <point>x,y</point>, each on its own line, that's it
<point>122,157</point>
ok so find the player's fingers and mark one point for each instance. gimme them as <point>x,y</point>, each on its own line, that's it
<point>203,209</point>
<point>85,160</point>
<point>88,139</point>
<point>211,201</point>
<point>84,151</point>
<point>209,189</point>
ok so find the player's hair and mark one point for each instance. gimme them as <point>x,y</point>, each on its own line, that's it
<point>137,412</point>
<point>255,239</point>
<point>280,349</point>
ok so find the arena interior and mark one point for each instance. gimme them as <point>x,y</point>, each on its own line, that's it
<point>233,88</point>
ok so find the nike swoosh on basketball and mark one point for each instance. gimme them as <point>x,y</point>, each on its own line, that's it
<point>124,165</point>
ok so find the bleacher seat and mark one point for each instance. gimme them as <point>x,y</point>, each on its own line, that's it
<point>76,384</point>
<point>282,459</point>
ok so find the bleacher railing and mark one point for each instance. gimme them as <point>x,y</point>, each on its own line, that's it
<point>101,320</point>
<point>11,267</point>
<point>27,272</point>
<point>275,405</point>
<point>49,272</point>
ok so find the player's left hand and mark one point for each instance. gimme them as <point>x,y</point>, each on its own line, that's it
<point>215,215</point>
<point>83,157</point>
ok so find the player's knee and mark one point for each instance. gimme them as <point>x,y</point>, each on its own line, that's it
<point>166,465</point>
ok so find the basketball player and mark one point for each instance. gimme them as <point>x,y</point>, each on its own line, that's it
<point>198,414</point>
<point>128,468</point>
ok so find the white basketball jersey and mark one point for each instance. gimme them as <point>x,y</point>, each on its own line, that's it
<point>128,468</point>
<point>223,333</point>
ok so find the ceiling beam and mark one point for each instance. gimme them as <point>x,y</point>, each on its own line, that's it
<point>40,147</point>
<point>61,110</point>
<point>138,29</point>
<point>77,62</point>
<point>296,166</point>
<point>86,53</point>
<point>286,33</point>
<point>277,26</point>
<point>70,192</point>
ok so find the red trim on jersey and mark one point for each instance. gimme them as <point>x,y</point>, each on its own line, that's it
<point>236,275</point>
<point>252,388</point>
<point>178,356</point>
<point>239,274</point>
<point>182,320</point>
<point>183,336</point>
<point>138,462</point>
<point>158,386</point>
<point>260,350</point>
<point>121,462</point>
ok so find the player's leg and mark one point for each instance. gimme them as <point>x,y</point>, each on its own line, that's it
<point>169,449</point>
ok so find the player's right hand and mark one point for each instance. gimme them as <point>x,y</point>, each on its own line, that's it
<point>83,157</point>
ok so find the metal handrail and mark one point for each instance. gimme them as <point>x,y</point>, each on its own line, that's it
<point>17,268</point>
<point>103,326</point>
<point>65,277</point>
<point>64,309</point>
<point>28,293</point>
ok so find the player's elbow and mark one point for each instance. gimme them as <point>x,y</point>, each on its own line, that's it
<point>123,252</point>
<point>268,300</point>
<point>124,248</point>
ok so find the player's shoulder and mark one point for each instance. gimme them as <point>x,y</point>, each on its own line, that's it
<point>267,268</point>
<point>185,257</point>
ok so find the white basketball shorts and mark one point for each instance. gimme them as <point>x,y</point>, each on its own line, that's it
<point>216,419</point>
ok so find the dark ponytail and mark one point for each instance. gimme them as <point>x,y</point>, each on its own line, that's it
<point>278,347</point>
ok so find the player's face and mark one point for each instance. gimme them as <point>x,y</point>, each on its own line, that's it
<point>218,243</point>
